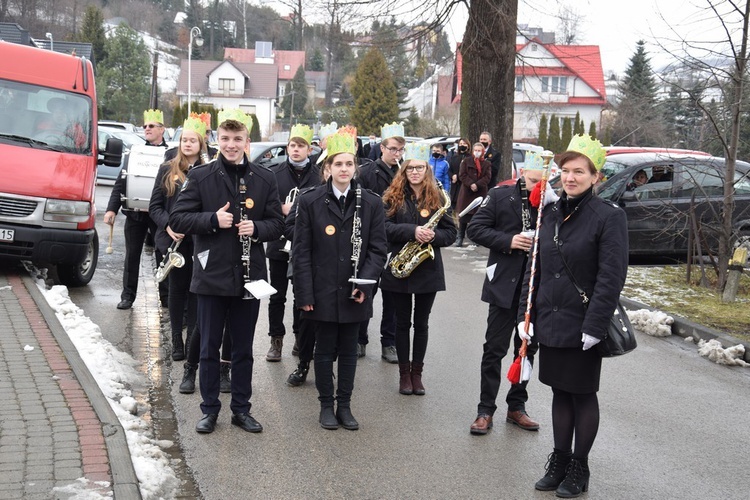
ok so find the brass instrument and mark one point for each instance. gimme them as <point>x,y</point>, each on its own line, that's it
<point>290,198</point>
<point>414,253</point>
<point>171,260</point>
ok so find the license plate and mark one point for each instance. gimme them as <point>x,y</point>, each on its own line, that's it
<point>7,234</point>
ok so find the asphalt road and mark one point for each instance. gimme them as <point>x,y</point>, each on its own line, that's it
<point>673,424</point>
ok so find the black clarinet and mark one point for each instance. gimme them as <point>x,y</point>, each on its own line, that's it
<point>245,239</point>
<point>356,241</point>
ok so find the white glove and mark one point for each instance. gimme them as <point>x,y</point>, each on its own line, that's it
<point>521,331</point>
<point>549,196</point>
<point>589,341</point>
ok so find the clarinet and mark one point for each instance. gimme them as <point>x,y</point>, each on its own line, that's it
<point>356,240</point>
<point>525,213</point>
<point>245,239</point>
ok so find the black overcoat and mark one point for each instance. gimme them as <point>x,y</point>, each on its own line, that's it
<point>429,276</point>
<point>493,226</point>
<point>322,249</point>
<point>376,176</point>
<point>218,268</point>
<point>594,240</point>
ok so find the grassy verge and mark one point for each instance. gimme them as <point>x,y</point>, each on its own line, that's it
<point>665,288</point>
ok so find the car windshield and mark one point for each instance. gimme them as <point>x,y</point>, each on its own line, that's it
<point>45,118</point>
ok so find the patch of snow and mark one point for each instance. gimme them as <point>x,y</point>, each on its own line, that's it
<point>731,356</point>
<point>654,323</point>
<point>83,489</point>
<point>28,348</point>
<point>8,287</point>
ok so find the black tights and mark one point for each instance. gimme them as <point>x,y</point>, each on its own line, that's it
<point>575,414</point>
<point>422,307</point>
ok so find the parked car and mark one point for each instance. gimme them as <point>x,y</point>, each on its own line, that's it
<point>108,174</point>
<point>121,125</point>
<point>269,154</point>
<point>658,205</point>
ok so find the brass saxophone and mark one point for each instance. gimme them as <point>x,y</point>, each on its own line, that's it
<point>414,253</point>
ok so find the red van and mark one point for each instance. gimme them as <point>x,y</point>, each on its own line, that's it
<point>48,159</point>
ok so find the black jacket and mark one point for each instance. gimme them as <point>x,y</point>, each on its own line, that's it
<point>322,251</point>
<point>594,241</point>
<point>429,276</point>
<point>218,268</point>
<point>376,176</point>
<point>493,226</point>
<point>493,156</point>
<point>119,189</point>
<point>287,179</point>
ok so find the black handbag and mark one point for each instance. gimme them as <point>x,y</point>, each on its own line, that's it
<point>619,338</point>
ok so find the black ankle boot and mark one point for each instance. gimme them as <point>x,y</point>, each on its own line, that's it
<point>299,375</point>
<point>178,348</point>
<point>576,480</point>
<point>557,464</point>
<point>345,417</point>
<point>188,379</point>
<point>225,381</point>
<point>328,418</point>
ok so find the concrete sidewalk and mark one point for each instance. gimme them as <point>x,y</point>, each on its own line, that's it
<point>58,434</point>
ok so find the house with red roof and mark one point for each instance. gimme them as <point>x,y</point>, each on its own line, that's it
<point>552,79</point>
<point>287,61</point>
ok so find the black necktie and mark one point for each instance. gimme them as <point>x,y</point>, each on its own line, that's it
<point>342,203</point>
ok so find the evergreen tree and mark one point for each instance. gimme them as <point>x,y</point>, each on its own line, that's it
<point>299,97</point>
<point>567,132</point>
<point>553,139</point>
<point>124,77</point>
<point>592,130</point>
<point>317,62</point>
<point>255,131</point>
<point>543,129</point>
<point>411,124</point>
<point>639,119</point>
<point>92,31</point>
<point>607,139</point>
<point>374,92</point>
<point>578,127</point>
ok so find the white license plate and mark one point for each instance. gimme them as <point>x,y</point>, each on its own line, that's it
<point>7,234</point>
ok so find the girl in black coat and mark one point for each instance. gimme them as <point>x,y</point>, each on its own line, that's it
<point>591,235</point>
<point>324,262</point>
<point>412,201</point>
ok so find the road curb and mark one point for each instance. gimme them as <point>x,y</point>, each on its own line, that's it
<point>124,480</point>
<point>683,327</point>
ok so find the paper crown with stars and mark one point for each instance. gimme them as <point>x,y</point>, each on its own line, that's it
<point>533,161</point>
<point>196,125</point>
<point>237,115</point>
<point>341,142</point>
<point>416,151</point>
<point>303,132</point>
<point>153,116</point>
<point>327,130</point>
<point>204,117</point>
<point>391,130</point>
<point>589,147</point>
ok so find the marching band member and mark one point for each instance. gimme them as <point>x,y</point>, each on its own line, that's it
<point>338,254</point>
<point>226,205</point>
<point>416,217</point>
<point>137,224</point>
<point>292,176</point>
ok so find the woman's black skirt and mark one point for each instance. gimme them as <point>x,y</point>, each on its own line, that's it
<point>570,369</point>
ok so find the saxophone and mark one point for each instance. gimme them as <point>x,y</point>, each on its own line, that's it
<point>414,253</point>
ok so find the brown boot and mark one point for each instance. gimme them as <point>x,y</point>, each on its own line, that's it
<point>274,353</point>
<point>404,383</point>
<point>416,378</point>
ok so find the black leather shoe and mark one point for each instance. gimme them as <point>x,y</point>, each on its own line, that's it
<point>246,422</point>
<point>327,419</point>
<point>298,376</point>
<point>207,423</point>
<point>125,304</point>
<point>344,415</point>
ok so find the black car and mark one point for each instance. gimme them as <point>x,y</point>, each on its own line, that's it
<point>657,190</point>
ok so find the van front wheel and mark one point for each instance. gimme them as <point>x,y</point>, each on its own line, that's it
<point>75,275</point>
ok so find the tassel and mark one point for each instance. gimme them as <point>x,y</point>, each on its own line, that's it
<point>514,372</point>
<point>535,196</point>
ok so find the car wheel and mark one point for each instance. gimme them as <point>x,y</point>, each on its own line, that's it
<point>75,275</point>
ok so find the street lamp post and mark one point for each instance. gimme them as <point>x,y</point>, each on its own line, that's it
<point>195,31</point>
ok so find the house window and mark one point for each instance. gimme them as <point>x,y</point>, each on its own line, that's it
<point>519,84</point>
<point>555,84</point>
<point>287,67</point>
<point>226,84</point>
<point>250,110</point>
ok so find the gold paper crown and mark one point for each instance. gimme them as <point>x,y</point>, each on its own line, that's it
<point>391,130</point>
<point>533,161</point>
<point>589,147</point>
<point>341,142</point>
<point>237,115</point>
<point>302,132</point>
<point>196,125</point>
<point>416,151</point>
<point>153,115</point>
<point>328,129</point>
<point>204,117</point>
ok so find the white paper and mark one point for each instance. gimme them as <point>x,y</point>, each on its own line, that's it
<point>203,258</point>
<point>362,281</point>
<point>491,271</point>
<point>260,289</point>
<point>525,369</point>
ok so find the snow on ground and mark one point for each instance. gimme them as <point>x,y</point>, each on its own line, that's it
<point>731,356</point>
<point>115,371</point>
<point>654,323</point>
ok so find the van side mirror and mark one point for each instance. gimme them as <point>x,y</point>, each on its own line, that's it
<point>112,154</point>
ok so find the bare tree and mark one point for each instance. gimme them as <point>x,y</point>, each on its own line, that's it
<point>568,26</point>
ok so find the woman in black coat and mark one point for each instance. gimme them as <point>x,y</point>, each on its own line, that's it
<point>412,204</point>
<point>329,218</point>
<point>591,235</point>
<point>463,150</point>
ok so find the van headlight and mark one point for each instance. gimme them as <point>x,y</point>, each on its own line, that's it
<point>67,211</point>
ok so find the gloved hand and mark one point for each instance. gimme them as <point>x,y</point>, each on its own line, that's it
<point>522,333</point>
<point>589,341</point>
<point>549,195</point>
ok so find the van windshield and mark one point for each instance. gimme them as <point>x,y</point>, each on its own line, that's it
<point>45,118</point>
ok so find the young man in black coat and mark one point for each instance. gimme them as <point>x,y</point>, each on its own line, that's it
<point>230,206</point>
<point>503,224</point>
<point>293,176</point>
<point>491,155</point>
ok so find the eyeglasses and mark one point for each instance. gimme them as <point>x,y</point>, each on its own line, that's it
<point>416,168</point>
<point>396,150</point>
<point>152,125</point>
